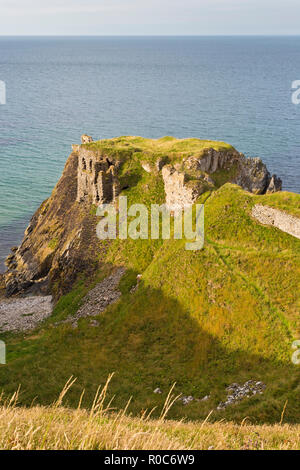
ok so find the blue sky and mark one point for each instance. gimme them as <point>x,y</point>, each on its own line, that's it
<point>149,17</point>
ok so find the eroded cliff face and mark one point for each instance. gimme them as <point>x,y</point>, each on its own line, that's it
<point>186,181</point>
<point>60,243</point>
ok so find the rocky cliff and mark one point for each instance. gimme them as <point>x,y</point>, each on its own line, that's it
<point>216,321</point>
<point>60,242</point>
<point>185,181</point>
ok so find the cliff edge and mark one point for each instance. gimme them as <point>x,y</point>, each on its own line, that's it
<point>221,321</point>
<point>60,241</point>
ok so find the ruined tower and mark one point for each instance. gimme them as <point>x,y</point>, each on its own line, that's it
<point>97,179</point>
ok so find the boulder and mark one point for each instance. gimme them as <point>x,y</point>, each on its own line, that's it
<point>253,175</point>
<point>275,185</point>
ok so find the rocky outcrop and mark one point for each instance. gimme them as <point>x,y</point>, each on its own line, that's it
<point>156,167</point>
<point>212,160</point>
<point>185,182</point>
<point>24,269</point>
<point>237,392</point>
<point>253,176</point>
<point>276,218</point>
<point>275,185</point>
<point>61,242</point>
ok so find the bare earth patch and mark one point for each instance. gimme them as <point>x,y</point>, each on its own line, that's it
<point>24,313</point>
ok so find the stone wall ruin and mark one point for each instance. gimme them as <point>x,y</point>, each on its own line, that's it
<point>97,179</point>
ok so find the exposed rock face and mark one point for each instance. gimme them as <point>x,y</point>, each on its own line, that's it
<point>179,191</point>
<point>279,219</point>
<point>61,239</point>
<point>159,164</point>
<point>24,269</point>
<point>275,185</point>
<point>253,176</point>
<point>146,166</point>
<point>185,182</point>
<point>97,178</point>
<point>61,242</point>
<point>212,160</point>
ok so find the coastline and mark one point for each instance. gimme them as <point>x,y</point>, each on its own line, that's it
<point>11,235</point>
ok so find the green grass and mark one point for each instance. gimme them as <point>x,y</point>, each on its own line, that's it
<point>149,150</point>
<point>53,243</point>
<point>204,319</point>
<point>285,201</point>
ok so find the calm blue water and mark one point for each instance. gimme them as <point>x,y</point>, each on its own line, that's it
<point>232,89</point>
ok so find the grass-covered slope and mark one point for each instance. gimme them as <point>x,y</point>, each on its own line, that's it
<point>60,242</point>
<point>202,319</point>
<point>56,428</point>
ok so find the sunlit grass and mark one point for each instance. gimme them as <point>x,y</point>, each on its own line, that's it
<point>101,428</point>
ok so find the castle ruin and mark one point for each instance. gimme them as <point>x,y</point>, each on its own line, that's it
<point>97,179</point>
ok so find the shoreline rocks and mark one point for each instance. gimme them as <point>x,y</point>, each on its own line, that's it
<point>24,313</point>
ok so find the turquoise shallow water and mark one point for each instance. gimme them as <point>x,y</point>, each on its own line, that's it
<point>236,89</point>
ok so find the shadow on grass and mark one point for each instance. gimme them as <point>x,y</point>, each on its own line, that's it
<point>149,341</point>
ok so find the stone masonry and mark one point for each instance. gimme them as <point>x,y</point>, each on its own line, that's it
<point>97,176</point>
<point>179,192</point>
<point>249,173</point>
<point>269,216</point>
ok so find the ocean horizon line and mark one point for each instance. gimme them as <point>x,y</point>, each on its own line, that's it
<point>149,35</point>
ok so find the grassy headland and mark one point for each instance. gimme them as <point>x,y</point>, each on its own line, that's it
<point>202,319</point>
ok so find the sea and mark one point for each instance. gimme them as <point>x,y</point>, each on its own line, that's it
<point>234,89</point>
